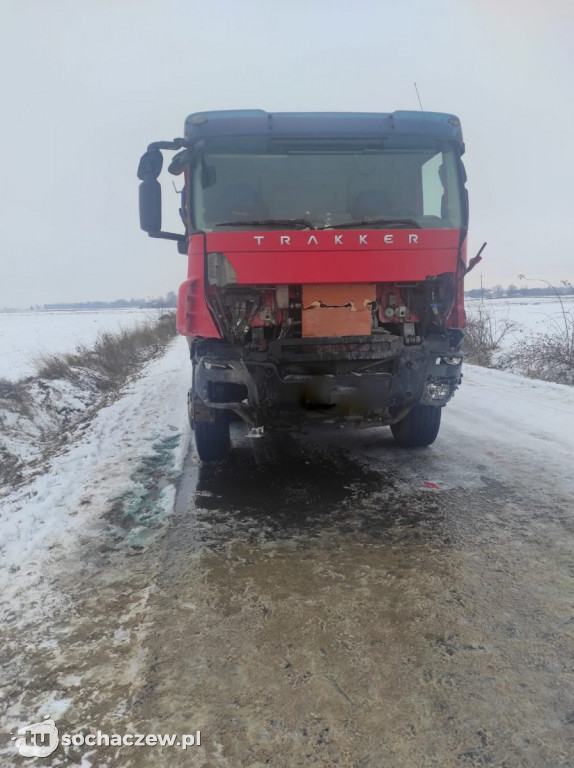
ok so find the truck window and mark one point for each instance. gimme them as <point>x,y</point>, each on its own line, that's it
<point>432,186</point>
<point>328,185</point>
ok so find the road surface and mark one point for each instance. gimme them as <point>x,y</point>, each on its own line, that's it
<point>327,600</point>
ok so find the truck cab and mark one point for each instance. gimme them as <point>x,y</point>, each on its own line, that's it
<point>326,260</point>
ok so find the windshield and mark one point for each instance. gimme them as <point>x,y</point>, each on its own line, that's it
<point>396,183</point>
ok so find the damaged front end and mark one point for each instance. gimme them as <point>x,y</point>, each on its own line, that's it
<point>359,353</point>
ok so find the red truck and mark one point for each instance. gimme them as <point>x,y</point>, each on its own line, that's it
<point>326,260</point>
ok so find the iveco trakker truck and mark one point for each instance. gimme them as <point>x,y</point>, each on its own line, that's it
<point>326,258</point>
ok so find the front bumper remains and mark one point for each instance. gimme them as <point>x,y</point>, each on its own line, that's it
<point>300,380</point>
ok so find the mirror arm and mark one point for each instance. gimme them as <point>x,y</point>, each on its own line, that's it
<point>175,144</point>
<point>167,235</point>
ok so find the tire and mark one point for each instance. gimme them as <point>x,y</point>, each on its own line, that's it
<point>419,427</point>
<point>190,408</point>
<point>212,437</point>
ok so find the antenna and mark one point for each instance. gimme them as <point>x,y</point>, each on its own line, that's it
<point>419,98</point>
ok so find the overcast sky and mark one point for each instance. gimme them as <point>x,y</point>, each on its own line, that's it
<point>87,84</point>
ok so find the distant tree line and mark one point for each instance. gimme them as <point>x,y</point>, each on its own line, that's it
<point>167,301</point>
<point>498,292</point>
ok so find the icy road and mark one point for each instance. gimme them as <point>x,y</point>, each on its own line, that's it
<point>324,600</point>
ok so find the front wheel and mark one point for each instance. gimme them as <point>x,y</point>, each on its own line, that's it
<point>419,427</point>
<point>212,437</point>
<point>211,430</point>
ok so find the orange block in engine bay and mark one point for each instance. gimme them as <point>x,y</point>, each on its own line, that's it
<point>338,309</point>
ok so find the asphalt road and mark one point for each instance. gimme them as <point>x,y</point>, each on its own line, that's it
<point>320,604</point>
<point>331,600</point>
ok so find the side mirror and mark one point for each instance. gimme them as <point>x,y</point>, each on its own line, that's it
<point>150,190</point>
<point>150,205</point>
<point>150,166</point>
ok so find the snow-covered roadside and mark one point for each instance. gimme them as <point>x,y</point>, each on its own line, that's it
<point>104,469</point>
<point>522,428</point>
<point>73,616</point>
<point>40,415</point>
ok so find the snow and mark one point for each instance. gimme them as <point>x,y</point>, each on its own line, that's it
<point>25,335</point>
<point>517,424</point>
<point>530,315</point>
<point>47,518</point>
<point>55,406</point>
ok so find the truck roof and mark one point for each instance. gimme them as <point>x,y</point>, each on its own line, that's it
<point>257,122</point>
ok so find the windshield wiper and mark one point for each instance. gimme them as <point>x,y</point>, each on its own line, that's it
<point>295,223</point>
<point>391,223</point>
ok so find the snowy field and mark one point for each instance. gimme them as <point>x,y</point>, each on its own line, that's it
<point>530,315</point>
<point>25,335</point>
